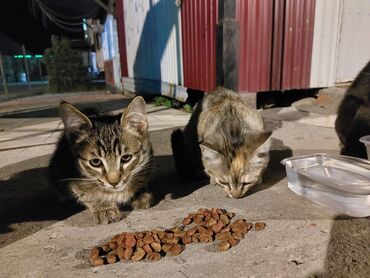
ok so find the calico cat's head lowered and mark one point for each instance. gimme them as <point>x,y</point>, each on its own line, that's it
<point>109,151</point>
<point>237,169</point>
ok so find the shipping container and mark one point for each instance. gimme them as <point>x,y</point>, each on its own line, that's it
<point>281,44</point>
<point>353,50</point>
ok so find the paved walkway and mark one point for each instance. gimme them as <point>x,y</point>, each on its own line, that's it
<point>301,239</point>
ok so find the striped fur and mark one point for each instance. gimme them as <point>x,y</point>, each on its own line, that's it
<point>226,139</point>
<point>104,161</point>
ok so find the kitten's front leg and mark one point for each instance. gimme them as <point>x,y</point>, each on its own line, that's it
<point>106,213</point>
<point>143,201</point>
<point>103,212</point>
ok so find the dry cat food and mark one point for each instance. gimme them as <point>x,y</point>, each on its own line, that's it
<point>206,225</point>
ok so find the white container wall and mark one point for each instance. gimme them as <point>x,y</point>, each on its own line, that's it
<point>354,40</point>
<point>153,40</point>
<point>325,39</point>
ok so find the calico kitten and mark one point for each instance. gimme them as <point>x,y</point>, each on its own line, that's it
<point>225,137</point>
<point>104,161</point>
<point>353,119</point>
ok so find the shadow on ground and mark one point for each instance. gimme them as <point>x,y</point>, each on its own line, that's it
<point>348,253</point>
<point>275,171</point>
<point>27,206</point>
<point>90,108</point>
<point>167,181</point>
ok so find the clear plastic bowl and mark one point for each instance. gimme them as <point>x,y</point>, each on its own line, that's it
<point>341,183</point>
<point>366,141</point>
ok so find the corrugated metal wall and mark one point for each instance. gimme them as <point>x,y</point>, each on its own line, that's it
<point>298,36</point>
<point>277,44</point>
<point>325,39</point>
<point>283,44</point>
<point>198,20</point>
<point>153,40</point>
<point>354,39</point>
<point>255,37</point>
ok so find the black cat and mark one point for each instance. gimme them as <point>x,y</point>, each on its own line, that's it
<point>353,119</point>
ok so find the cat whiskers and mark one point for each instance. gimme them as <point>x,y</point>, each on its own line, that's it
<point>76,179</point>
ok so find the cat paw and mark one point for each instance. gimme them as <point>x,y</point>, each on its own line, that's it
<point>143,201</point>
<point>106,216</point>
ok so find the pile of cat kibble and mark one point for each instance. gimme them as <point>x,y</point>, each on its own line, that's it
<point>206,225</point>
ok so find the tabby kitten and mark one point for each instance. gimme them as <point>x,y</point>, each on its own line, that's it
<point>104,161</point>
<point>225,137</point>
<point>353,119</point>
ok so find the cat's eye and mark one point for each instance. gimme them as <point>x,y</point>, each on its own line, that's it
<point>246,183</point>
<point>223,183</point>
<point>95,162</point>
<point>126,158</point>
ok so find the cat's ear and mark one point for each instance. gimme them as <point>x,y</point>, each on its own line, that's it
<point>211,156</point>
<point>134,116</point>
<point>72,118</point>
<point>261,138</point>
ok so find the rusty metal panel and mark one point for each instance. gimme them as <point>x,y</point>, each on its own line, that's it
<point>198,24</point>
<point>255,36</point>
<point>121,37</point>
<point>277,44</point>
<point>298,37</point>
<point>325,39</point>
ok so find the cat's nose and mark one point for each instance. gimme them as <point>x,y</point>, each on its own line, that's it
<point>237,193</point>
<point>113,177</point>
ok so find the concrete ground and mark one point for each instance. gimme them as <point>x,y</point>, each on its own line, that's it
<point>38,238</point>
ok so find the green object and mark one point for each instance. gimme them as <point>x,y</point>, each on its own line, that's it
<point>172,103</point>
<point>187,108</point>
<point>27,56</point>
<point>162,101</point>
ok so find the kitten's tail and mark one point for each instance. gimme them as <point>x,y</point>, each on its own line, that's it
<point>179,150</point>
